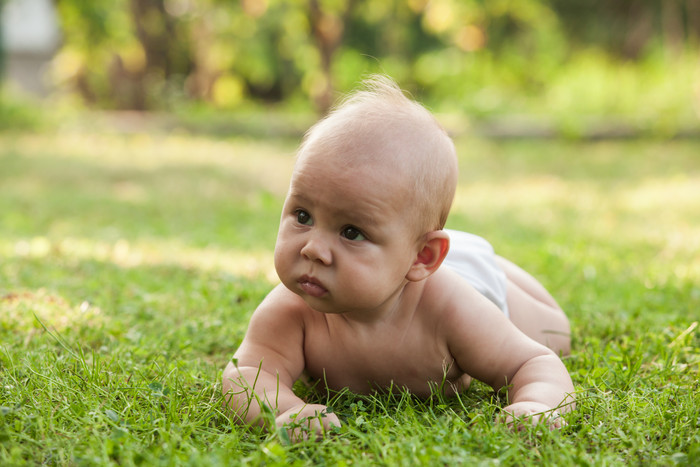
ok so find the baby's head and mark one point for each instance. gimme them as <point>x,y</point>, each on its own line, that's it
<point>379,129</point>
<point>371,188</point>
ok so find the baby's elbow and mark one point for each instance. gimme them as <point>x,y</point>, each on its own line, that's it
<point>546,352</point>
<point>547,357</point>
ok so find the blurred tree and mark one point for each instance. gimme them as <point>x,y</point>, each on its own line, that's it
<point>166,48</point>
<point>328,21</point>
<point>123,53</point>
<point>627,27</point>
<point>2,49</point>
<point>145,54</point>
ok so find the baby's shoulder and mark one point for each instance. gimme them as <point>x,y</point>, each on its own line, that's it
<point>445,286</point>
<point>447,294</point>
<point>280,307</point>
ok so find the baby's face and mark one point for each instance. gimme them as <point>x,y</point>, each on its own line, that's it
<point>345,242</point>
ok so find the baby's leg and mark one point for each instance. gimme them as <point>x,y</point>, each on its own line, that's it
<point>534,311</point>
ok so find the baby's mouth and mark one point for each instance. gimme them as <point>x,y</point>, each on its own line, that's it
<point>312,286</point>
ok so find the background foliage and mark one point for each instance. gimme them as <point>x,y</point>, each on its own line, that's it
<point>635,60</point>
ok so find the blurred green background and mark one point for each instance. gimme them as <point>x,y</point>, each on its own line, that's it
<point>538,67</point>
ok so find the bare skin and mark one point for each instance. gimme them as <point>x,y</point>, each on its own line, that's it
<point>361,313</point>
<point>363,302</point>
<point>534,311</point>
<point>410,348</point>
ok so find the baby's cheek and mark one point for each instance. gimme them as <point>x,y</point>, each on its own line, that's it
<point>282,260</point>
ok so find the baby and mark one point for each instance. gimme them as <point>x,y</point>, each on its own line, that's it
<point>375,294</point>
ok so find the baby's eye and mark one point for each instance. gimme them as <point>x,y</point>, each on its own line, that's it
<point>304,217</point>
<point>352,233</point>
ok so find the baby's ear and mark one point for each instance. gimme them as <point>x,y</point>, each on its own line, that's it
<point>435,246</point>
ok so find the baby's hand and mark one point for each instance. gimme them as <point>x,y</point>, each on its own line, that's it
<point>307,421</point>
<point>520,414</point>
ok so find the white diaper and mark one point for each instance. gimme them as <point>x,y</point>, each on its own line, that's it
<point>473,258</point>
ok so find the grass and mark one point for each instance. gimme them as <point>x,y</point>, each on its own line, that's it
<point>131,263</point>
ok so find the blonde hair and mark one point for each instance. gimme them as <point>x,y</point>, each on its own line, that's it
<point>379,124</point>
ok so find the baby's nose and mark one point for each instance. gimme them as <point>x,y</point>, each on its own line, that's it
<point>317,249</point>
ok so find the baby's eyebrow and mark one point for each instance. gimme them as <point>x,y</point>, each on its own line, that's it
<point>299,198</point>
<point>361,217</point>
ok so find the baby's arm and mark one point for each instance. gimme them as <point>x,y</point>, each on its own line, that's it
<point>541,389</point>
<point>487,346</point>
<point>266,365</point>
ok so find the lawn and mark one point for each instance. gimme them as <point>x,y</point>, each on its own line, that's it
<point>130,263</point>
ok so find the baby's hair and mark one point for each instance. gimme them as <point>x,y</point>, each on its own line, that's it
<point>380,120</point>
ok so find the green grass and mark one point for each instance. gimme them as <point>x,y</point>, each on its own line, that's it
<point>129,265</point>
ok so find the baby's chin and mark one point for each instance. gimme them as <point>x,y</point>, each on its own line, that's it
<point>324,304</point>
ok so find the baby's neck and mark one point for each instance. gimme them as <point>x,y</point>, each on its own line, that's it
<point>398,308</point>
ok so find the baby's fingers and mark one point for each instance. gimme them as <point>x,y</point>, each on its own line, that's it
<point>520,421</point>
<point>307,424</point>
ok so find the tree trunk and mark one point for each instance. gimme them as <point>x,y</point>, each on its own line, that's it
<point>327,29</point>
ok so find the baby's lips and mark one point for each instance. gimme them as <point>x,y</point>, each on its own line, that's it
<point>312,287</point>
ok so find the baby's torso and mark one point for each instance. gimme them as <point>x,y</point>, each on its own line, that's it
<point>412,355</point>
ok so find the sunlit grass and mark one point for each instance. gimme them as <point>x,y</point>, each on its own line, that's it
<point>661,211</point>
<point>130,263</point>
<point>124,254</point>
